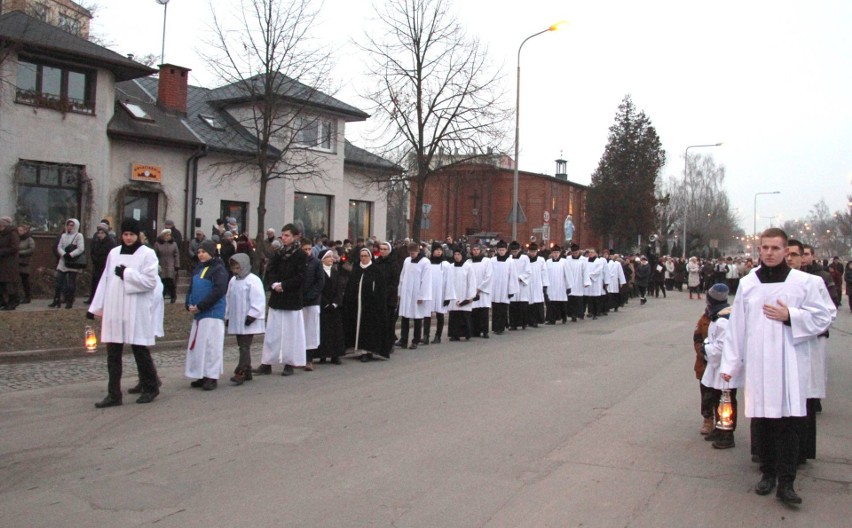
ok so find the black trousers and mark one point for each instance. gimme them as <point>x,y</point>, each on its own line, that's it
<point>575,306</point>
<point>556,310</point>
<point>479,321</point>
<point>97,272</point>
<point>613,301</point>
<point>427,326</point>
<point>518,314</point>
<point>66,285</point>
<point>535,313</point>
<point>499,316</point>
<point>459,326</point>
<point>777,442</point>
<point>144,365</point>
<point>169,288</point>
<point>593,304</point>
<point>244,343</point>
<point>659,287</point>
<point>403,330</point>
<point>390,329</point>
<point>807,439</point>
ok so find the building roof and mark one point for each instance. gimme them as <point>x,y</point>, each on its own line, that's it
<point>288,89</point>
<point>361,158</point>
<point>509,171</point>
<point>42,39</point>
<point>160,126</point>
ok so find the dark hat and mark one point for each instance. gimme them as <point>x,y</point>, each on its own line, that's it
<point>437,245</point>
<point>533,246</point>
<point>718,293</point>
<point>131,225</point>
<point>556,248</point>
<point>501,244</point>
<point>209,247</point>
<point>513,245</point>
<point>575,247</point>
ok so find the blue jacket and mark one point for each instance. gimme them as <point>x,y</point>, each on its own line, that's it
<point>208,288</point>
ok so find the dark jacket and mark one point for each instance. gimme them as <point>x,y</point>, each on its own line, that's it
<point>816,269</point>
<point>643,275</point>
<point>9,242</point>
<point>314,281</point>
<point>289,270</point>
<point>389,267</point>
<point>26,248</point>
<point>99,251</point>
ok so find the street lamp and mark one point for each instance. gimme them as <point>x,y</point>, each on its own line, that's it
<point>165,4</point>
<point>685,183</point>
<point>755,219</point>
<point>554,27</point>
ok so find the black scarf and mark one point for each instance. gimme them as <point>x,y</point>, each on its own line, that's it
<point>767,275</point>
<point>533,259</point>
<point>129,250</point>
<point>477,259</point>
<point>436,260</point>
<point>287,251</point>
<point>504,258</point>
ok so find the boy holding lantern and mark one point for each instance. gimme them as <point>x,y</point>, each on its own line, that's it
<point>718,311</point>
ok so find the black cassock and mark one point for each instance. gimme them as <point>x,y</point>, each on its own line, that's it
<point>331,317</point>
<point>365,309</point>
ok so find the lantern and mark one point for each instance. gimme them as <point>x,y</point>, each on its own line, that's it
<point>91,339</point>
<point>725,412</point>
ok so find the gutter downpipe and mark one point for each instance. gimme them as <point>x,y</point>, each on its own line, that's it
<point>191,190</point>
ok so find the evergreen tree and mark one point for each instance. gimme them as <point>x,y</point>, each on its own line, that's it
<point>621,203</point>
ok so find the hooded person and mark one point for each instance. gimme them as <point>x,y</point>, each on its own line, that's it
<point>127,300</point>
<point>365,303</point>
<point>717,312</point>
<point>332,343</point>
<point>70,247</point>
<point>205,300</point>
<point>245,312</point>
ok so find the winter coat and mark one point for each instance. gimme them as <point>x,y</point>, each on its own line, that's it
<point>643,275</point>
<point>26,248</point>
<point>100,251</point>
<point>694,278</point>
<point>169,255</point>
<point>287,268</point>
<point>9,247</point>
<point>314,280</point>
<point>207,290</point>
<point>65,240</point>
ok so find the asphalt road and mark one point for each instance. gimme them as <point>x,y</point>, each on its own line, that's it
<point>589,424</point>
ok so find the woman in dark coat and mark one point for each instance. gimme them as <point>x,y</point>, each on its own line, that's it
<point>679,274</point>
<point>332,344</point>
<point>365,308</point>
<point>102,243</point>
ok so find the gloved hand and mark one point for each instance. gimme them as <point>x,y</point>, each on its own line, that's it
<point>90,315</point>
<point>464,302</point>
<point>119,270</point>
<point>250,320</point>
<point>545,289</point>
<point>447,302</point>
<point>568,291</point>
<point>511,295</point>
<point>476,297</point>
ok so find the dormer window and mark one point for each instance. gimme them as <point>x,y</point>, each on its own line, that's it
<point>315,132</point>
<point>136,111</point>
<point>211,122</point>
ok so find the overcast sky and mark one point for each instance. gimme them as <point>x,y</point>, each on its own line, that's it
<point>770,79</point>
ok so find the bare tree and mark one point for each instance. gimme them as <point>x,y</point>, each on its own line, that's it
<point>437,100</point>
<point>273,73</point>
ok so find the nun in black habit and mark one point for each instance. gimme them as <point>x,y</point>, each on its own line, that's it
<point>365,310</point>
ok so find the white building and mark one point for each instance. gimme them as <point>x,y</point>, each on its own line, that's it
<point>88,133</point>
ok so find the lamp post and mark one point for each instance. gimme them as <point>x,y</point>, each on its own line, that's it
<point>165,4</point>
<point>685,183</point>
<point>755,241</point>
<point>554,27</point>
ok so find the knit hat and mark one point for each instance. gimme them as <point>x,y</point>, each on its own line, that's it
<point>131,225</point>
<point>103,227</point>
<point>170,223</point>
<point>437,245</point>
<point>209,247</point>
<point>717,294</point>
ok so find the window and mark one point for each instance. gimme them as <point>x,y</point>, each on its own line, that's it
<point>38,11</point>
<point>56,87</point>
<point>136,111</point>
<point>312,213</point>
<point>211,122</point>
<point>315,132</point>
<point>360,219</point>
<point>69,23</point>
<point>237,211</point>
<point>48,194</point>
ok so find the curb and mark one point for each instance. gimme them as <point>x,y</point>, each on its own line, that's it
<point>49,354</point>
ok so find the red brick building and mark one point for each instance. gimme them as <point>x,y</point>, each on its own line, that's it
<point>472,199</point>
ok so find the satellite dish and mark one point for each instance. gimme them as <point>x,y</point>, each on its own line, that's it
<point>162,2</point>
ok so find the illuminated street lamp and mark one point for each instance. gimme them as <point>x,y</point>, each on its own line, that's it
<point>515,211</point>
<point>165,4</point>
<point>685,183</point>
<point>755,217</point>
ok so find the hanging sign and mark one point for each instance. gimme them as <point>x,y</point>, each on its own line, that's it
<point>148,173</point>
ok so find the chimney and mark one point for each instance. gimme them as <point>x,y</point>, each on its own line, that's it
<point>172,91</point>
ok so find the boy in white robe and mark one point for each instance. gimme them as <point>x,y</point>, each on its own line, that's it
<point>464,285</point>
<point>442,293</point>
<point>578,280</point>
<point>206,302</point>
<point>539,282</point>
<point>557,292</point>
<point>126,300</point>
<point>776,312</point>
<point>245,312</point>
<point>482,270</point>
<point>519,305</point>
<point>504,288</point>
<point>415,294</point>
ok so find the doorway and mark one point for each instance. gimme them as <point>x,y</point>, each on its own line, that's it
<point>142,206</point>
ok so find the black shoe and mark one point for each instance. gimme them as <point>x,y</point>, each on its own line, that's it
<point>455,339</point>
<point>147,397</point>
<point>501,332</point>
<point>336,361</point>
<point>262,370</point>
<point>69,305</point>
<point>550,323</point>
<point>725,441</point>
<point>197,384</point>
<point>484,335</point>
<point>573,319</point>
<point>209,384</point>
<point>26,300</point>
<point>412,346</point>
<point>714,435</point>
<point>54,304</point>
<point>766,485</point>
<point>786,494</point>
<point>109,401</point>
<point>137,389</point>
<point>288,370</point>
<point>400,344</point>
<point>365,358</point>
<point>436,341</point>
<point>425,341</point>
